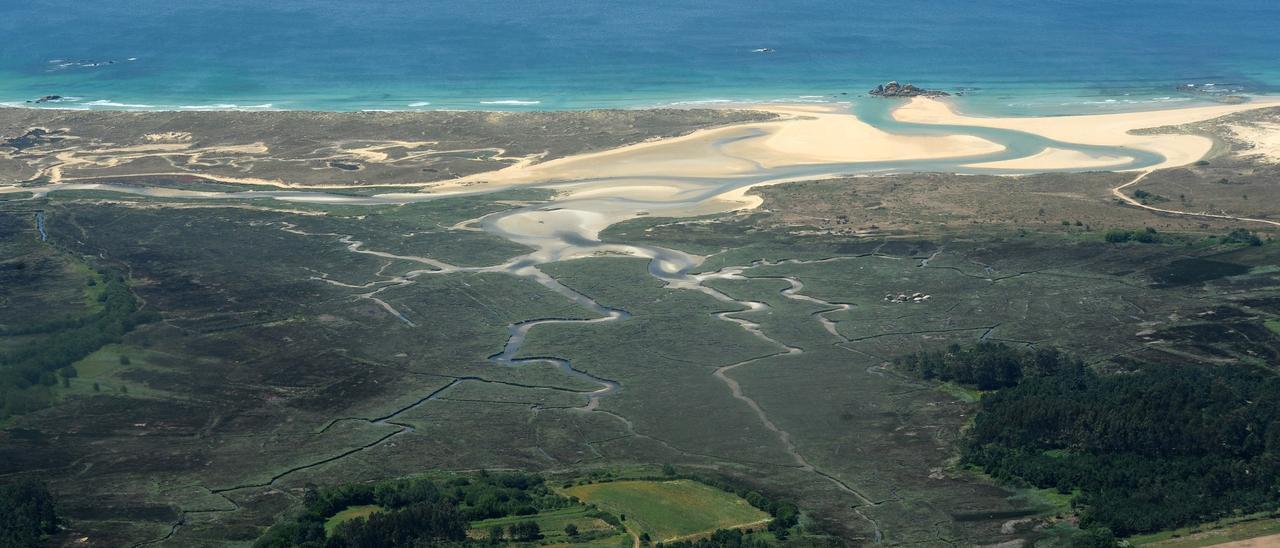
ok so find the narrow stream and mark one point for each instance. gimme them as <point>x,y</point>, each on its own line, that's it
<point>569,228</point>
<point>44,236</point>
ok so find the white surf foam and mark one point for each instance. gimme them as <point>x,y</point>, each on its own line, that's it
<point>511,102</point>
<point>704,102</point>
<point>420,103</point>
<point>107,103</point>
<point>226,106</point>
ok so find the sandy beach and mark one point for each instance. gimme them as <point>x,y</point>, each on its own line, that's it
<point>824,134</point>
<point>829,134</point>
<point>804,135</point>
<point>1094,129</point>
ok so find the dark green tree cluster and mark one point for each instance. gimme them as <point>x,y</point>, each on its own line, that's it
<point>27,370</point>
<point>722,538</point>
<point>27,514</point>
<point>415,524</point>
<point>1242,236</point>
<point>1151,448</point>
<point>524,531</point>
<point>415,510</point>
<point>505,494</point>
<point>1148,197</point>
<point>1146,447</point>
<point>1119,235</point>
<point>985,366</point>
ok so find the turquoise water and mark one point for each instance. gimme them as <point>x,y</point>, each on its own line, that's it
<point>1010,57</point>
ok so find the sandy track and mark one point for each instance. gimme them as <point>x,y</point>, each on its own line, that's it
<point>1118,192</point>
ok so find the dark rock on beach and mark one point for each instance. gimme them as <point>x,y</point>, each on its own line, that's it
<point>894,89</point>
<point>48,99</point>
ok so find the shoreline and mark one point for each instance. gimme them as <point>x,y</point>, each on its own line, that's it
<point>1046,102</point>
<point>811,136</point>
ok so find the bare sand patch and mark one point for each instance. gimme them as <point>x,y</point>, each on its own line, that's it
<point>1057,158</point>
<point>1263,136</point>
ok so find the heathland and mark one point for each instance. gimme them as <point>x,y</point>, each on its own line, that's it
<point>217,323</point>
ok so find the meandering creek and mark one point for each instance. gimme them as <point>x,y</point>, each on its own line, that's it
<point>568,227</point>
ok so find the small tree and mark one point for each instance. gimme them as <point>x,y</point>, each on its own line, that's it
<point>124,360</point>
<point>96,388</point>
<point>525,531</point>
<point>644,538</point>
<point>668,470</point>
<point>571,530</point>
<point>495,534</point>
<point>1118,236</point>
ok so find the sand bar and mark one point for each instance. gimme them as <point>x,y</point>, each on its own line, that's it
<point>1057,158</point>
<point>1095,129</point>
<point>807,134</point>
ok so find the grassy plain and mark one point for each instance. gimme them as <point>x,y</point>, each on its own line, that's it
<point>670,510</point>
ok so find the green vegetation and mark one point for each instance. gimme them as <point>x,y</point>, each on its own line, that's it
<point>1242,236</point>
<point>1148,447</point>
<point>722,538</point>
<point>1219,531</point>
<point>252,380</point>
<point>30,368</point>
<point>520,507</point>
<point>27,514</point>
<point>401,512</point>
<point>1148,198</point>
<point>576,524</point>
<point>1146,236</point>
<point>985,366</point>
<point>362,511</point>
<point>668,510</point>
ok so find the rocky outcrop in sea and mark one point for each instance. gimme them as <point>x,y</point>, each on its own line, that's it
<point>894,89</point>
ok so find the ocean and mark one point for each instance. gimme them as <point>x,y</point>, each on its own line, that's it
<point>1008,57</point>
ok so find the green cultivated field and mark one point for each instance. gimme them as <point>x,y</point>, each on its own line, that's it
<point>668,510</point>
<point>592,531</point>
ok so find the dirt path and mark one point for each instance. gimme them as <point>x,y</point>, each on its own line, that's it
<point>1259,542</point>
<point>1120,195</point>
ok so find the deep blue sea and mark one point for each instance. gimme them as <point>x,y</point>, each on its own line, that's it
<point>1009,56</point>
